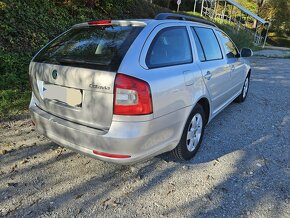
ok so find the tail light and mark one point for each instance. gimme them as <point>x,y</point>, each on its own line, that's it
<point>132,96</point>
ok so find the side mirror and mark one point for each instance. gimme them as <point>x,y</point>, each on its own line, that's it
<point>246,52</point>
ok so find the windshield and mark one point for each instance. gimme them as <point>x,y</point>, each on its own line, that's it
<point>100,47</point>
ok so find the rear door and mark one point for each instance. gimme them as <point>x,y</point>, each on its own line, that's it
<point>73,76</point>
<point>215,71</point>
<point>170,67</point>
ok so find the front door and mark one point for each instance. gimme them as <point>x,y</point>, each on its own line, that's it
<point>216,73</point>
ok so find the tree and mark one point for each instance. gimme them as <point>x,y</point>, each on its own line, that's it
<point>279,12</point>
<point>260,5</point>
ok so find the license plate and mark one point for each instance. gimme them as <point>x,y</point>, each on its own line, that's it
<point>70,96</point>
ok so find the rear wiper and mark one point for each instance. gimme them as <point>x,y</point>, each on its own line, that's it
<point>74,61</point>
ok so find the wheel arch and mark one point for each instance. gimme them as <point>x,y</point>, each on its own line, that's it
<point>204,102</point>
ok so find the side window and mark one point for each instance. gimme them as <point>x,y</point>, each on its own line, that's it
<point>198,46</point>
<point>230,48</point>
<point>209,43</point>
<point>171,46</point>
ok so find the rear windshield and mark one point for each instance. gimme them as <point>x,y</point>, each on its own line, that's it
<point>101,47</point>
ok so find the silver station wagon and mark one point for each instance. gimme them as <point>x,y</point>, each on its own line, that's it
<point>127,90</point>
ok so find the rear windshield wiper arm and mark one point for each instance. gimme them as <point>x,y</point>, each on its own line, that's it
<point>74,61</point>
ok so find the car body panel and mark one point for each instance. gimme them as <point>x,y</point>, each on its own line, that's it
<point>92,112</point>
<point>140,140</point>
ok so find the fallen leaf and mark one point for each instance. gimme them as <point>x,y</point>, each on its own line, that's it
<point>14,184</point>
<point>3,151</point>
<point>24,161</point>
<point>78,196</point>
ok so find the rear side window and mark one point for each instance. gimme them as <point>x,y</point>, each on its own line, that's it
<point>101,47</point>
<point>171,46</point>
<point>198,46</point>
<point>210,45</point>
<point>230,48</point>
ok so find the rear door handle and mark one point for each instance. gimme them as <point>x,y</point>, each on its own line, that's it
<point>208,75</point>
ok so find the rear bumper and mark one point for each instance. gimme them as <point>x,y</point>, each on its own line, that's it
<point>139,140</point>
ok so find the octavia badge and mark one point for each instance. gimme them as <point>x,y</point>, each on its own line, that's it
<point>54,74</point>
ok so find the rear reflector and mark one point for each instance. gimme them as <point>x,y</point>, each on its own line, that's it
<point>100,22</point>
<point>132,96</point>
<point>110,155</point>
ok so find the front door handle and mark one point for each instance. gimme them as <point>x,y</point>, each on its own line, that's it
<point>208,75</point>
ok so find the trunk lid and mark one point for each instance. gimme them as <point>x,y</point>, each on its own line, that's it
<point>94,89</point>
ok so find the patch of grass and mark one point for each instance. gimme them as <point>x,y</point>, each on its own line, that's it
<point>13,102</point>
<point>256,48</point>
<point>194,14</point>
<point>279,41</point>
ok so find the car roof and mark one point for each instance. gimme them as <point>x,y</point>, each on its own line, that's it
<point>159,19</point>
<point>153,21</point>
<point>146,22</point>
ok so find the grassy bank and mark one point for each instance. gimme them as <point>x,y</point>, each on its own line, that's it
<point>280,40</point>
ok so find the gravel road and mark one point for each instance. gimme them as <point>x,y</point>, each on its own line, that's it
<point>273,53</point>
<point>241,170</point>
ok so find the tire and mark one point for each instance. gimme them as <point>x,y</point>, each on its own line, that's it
<point>190,143</point>
<point>242,97</point>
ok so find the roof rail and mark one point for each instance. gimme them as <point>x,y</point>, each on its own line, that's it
<point>164,16</point>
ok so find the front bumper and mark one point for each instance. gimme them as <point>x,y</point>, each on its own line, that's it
<point>139,140</point>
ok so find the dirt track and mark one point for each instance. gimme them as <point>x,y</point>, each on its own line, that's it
<point>242,169</point>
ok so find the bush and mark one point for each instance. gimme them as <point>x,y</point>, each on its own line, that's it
<point>13,102</point>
